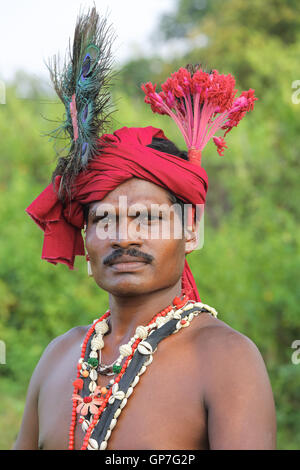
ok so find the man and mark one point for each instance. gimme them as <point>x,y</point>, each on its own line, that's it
<point>205,387</point>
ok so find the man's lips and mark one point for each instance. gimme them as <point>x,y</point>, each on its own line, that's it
<point>128,263</point>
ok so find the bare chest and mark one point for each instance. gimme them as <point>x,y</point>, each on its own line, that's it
<point>165,410</point>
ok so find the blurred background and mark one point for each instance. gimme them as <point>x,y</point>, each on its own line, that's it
<point>249,266</point>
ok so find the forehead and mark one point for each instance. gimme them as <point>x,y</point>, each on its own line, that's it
<point>137,191</point>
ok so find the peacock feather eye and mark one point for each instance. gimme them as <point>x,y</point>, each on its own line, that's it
<point>90,60</point>
<point>85,69</point>
<point>94,53</point>
<point>84,152</point>
<point>85,112</point>
<point>81,86</point>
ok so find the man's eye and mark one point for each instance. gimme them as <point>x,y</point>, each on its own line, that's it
<point>104,219</point>
<point>148,218</point>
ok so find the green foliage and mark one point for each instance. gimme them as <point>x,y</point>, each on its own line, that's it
<point>249,264</point>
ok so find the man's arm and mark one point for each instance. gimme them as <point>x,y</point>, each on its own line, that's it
<point>28,437</point>
<point>238,394</point>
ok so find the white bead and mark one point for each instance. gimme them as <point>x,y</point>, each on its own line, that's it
<point>145,348</point>
<point>93,374</point>
<point>120,395</point>
<point>123,403</point>
<point>188,307</point>
<point>179,311</point>
<point>94,354</point>
<point>160,321</point>
<point>93,444</point>
<point>117,413</point>
<point>177,316</point>
<point>112,424</point>
<point>97,343</point>
<point>92,386</point>
<point>135,381</point>
<point>101,327</point>
<point>198,304</point>
<point>125,350</point>
<point>146,363</point>
<point>143,369</point>
<point>103,445</point>
<point>108,434</point>
<point>129,392</point>
<point>142,332</point>
<point>85,425</point>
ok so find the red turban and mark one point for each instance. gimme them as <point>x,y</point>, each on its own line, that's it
<point>124,155</point>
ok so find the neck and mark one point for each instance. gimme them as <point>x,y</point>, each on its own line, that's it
<point>129,312</point>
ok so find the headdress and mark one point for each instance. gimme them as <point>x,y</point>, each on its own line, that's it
<point>199,102</point>
<point>83,87</point>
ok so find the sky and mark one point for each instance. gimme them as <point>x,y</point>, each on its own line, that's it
<point>31,31</point>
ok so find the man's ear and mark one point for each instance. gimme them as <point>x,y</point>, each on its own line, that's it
<point>192,238</point>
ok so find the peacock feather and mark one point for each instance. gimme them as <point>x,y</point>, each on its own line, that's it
<point>82,86</point>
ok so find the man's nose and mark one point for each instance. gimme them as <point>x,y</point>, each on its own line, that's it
<point>126,236</point>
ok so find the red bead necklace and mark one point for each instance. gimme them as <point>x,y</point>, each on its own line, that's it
<point>78,383</point>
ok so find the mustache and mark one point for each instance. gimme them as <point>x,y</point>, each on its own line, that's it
<point>130,252</point>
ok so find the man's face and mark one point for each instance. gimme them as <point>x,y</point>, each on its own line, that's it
<point>137,255</point>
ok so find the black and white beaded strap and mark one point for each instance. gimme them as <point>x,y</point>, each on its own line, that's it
<point>142,357</point>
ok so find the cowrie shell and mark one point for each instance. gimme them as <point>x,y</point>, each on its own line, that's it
<point>129,392</point>
<point>148,361</point>
<point>85,425</point>
<point>145,348</point>
<point>199,304</point>
<point>143,369</point>
<point>108,434</point>
<point>93,444</point>
<point>103,445</point>
<point>92,386</point>
<point>93,374</point>
<point>160,322</point>
<point>112,424</point>
<point>117,413</point>
<point>135,381</point>
<point>177,316</point>
<point>188,307</point>
<point>123,403</point>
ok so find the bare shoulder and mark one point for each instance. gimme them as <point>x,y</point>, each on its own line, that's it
<point>28,436</point>
<point>226,354</point>
<point>235,388</point>
<point>216,337</point>
<point>55,349</point>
